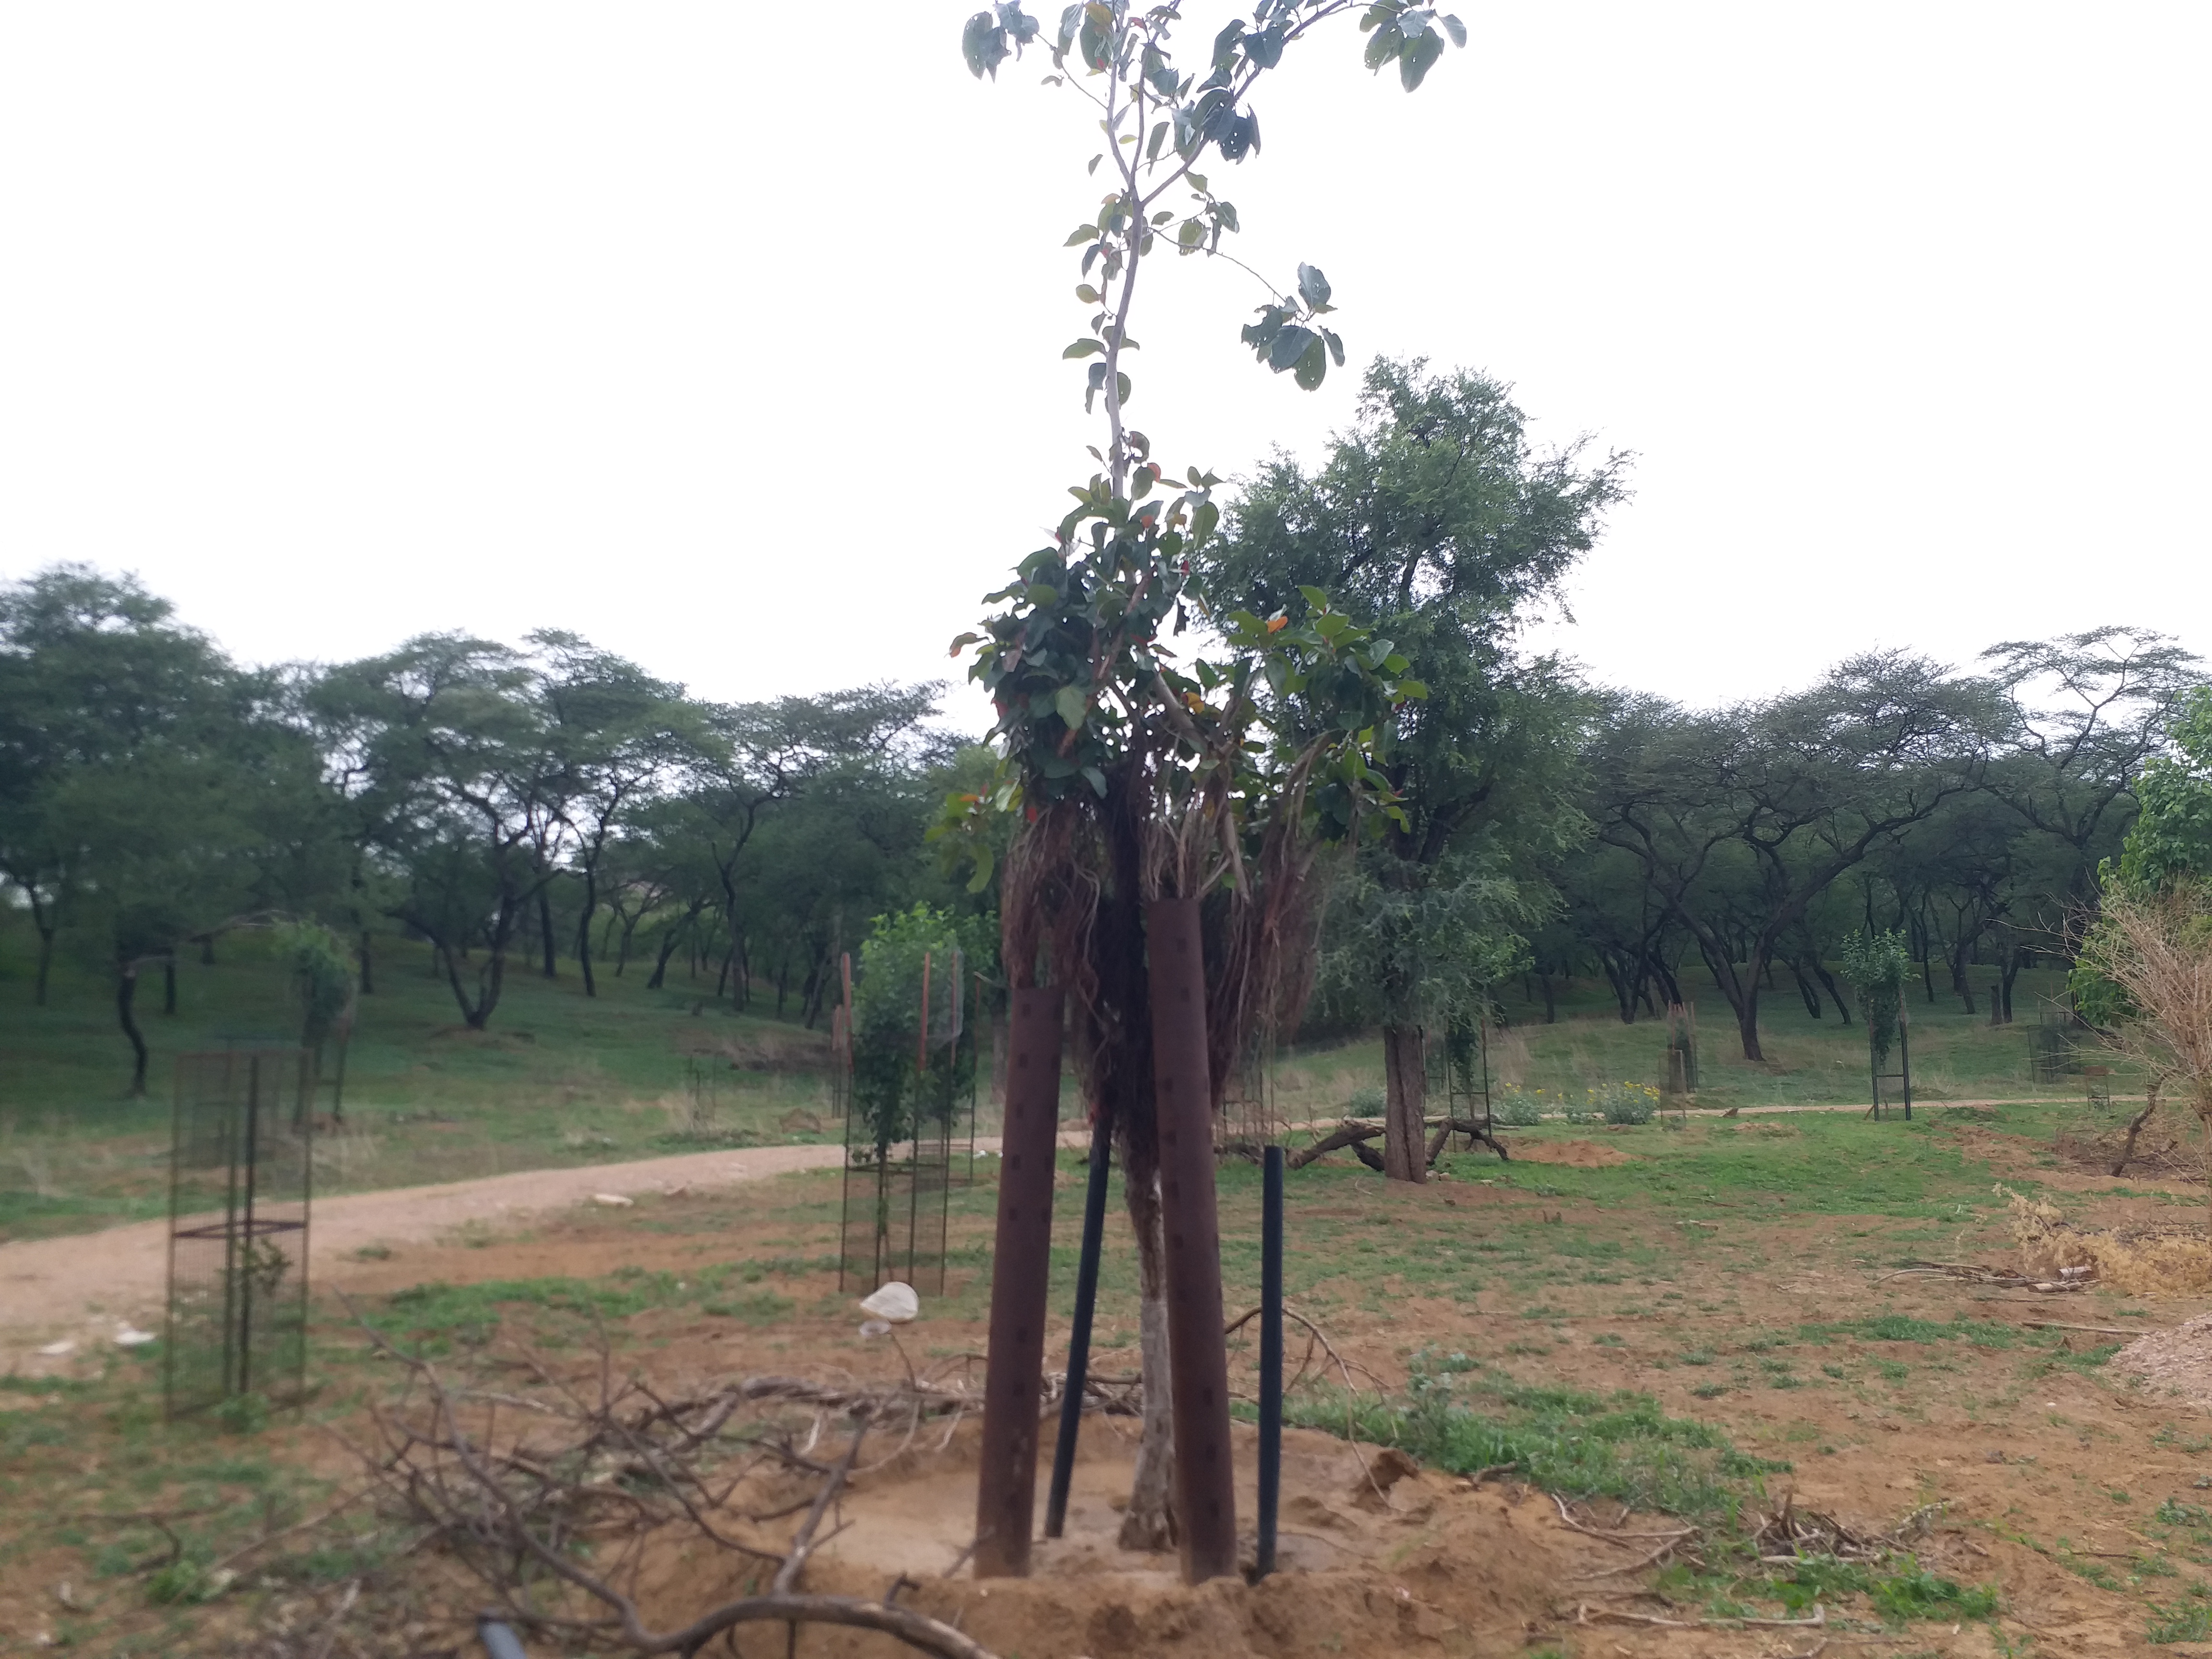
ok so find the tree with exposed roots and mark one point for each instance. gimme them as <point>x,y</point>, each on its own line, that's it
<point>1151,781</point>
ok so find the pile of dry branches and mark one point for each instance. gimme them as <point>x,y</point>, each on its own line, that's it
<point>553,1496</point>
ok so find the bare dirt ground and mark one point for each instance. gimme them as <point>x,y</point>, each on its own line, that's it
<point>2080,1494</point>
<point>80,1287</point>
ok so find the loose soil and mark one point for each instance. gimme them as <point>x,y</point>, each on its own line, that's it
<point>1575,1154</point>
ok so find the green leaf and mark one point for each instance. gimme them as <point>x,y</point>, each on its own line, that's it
<point>1081,234</point>
<point>963,643</point>
<point>1085,348</point>
<point>1381,46</point>
<point>985,859</point>
<point>983,43</point>
<point>1071,704</point>
<point>1395,664</point>
<point>1044,595</point>
<point>1314,597</point>
<point>1336,345</point>
<point>1454,28</point>
<point>1289,346</point>
<point>1415,690</point>
<point>1159,137</point>
<point>1313,367</point>
<point>1313,287</point>
<point>1087,293</point>
<point>1190,234</point>
<point>1414,62</point>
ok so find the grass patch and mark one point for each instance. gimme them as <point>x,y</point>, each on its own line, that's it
<point>1620,1446</point>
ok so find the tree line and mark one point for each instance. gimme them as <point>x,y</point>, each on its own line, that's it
<point>548,807</point>
<point>521,807</point>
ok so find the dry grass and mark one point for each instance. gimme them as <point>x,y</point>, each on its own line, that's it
<point>2170,1261</point>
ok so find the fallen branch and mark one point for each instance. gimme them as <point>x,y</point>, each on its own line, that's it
<point>1586,1615</point>
<point>2096,1330</point>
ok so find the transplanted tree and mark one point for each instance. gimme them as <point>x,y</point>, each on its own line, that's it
<point>1437,521</point>
<point>1799,789</point>
<point>1142,781</point>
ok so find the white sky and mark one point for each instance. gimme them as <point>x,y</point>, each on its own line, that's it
<point>728,335</point>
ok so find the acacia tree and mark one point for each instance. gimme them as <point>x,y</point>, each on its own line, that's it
<point>1800,789</point>
<point>1142,781</point>
<point>1437,521</point>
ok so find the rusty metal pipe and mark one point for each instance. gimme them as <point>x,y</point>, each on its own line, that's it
<point>1013,1378</point>
<point>1198,1355</point>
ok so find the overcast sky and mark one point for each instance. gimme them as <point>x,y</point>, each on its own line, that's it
<point>728,335</point>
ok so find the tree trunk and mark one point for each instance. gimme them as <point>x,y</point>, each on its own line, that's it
<point>546,925</point>
<point>2011,972</point>
<point>367,965</point>
<point>1182,1096</point>
<point>46,965</point>
<point>1806,993</point>
<point>669,940</point>
<point>1405,1094</point>
<point>126,993</point>
<point>1149,1523</point>
<point>169,984</point>
<point>1006,1487</point>
<point>584,930</point>
<point>1551,1000</point>
<point>207,950</point>
<point>1622,992</point>
<point>1843,1008</point>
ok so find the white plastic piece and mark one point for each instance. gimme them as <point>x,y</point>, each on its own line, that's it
<point>612,1200</point>
<point>131,1337</point>
<point>56,1350</point>
<point>894,1301</point>
<point>875,1327</point>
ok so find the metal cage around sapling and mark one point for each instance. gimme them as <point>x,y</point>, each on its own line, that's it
<point>909,1082</point>
<point>240,1188</point>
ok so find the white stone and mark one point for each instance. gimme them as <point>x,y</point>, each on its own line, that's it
<point>612,1200</point>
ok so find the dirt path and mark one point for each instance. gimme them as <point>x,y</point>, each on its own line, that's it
<point>80,1286</point>
<point>83,1286</point>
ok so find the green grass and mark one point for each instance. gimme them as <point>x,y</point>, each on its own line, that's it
<point>1459,1416</point>
<point>559,1079</point>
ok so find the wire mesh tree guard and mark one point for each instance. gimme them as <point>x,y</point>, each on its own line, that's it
<point>902,1080</point>
<point>240,1187</point>
<point>1250,1119</point>
<point>1901,1094</point>
<point>1681,1049</point>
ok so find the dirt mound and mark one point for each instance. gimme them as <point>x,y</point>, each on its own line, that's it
<point>1362,1574</point>
<point>2173,1362</point>
<point>1577,1154</point>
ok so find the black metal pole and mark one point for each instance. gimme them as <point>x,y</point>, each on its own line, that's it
<point>246,1272</point>
<point>1905,1055</point>
<point>1078,1341</point>
<point>1271,1356</point>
